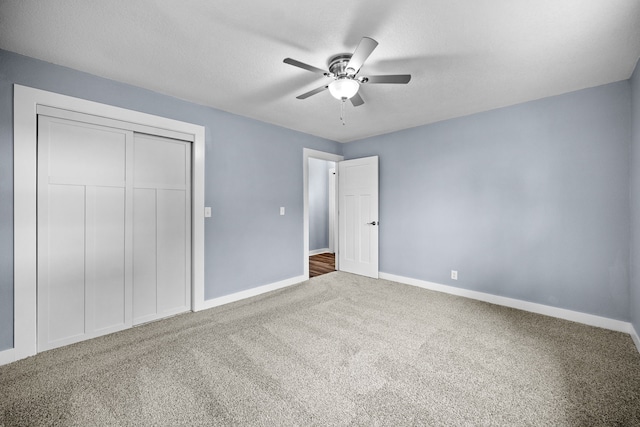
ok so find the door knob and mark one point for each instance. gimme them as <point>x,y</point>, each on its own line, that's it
<point>373,223</point>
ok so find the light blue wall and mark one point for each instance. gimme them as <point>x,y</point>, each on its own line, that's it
<point>635,199</point>
<point>528,202</point>
<point>319,203</point>
<point>252,168</point>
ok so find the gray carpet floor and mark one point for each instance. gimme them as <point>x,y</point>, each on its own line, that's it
<point>338,350</point>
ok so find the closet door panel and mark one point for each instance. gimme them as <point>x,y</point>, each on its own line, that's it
<point>83,255</point>
<point>105,276</point>
<point>160,162</point>
<point>86,153</point>
<point>65,263</point>
<point>144,255</point>
<point>171,251</point>
<point>162,178</point>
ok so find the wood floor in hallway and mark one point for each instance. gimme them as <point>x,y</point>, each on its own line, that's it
<point>321,264</point>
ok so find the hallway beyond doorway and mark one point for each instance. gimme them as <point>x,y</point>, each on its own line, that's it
<point>321,264</point>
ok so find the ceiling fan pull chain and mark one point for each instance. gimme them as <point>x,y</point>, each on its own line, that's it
<point>342,111</point>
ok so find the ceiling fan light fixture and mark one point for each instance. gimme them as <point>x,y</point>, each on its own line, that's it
<point>344,88</point>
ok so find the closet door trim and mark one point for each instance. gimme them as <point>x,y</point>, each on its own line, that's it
<point>112,123</point>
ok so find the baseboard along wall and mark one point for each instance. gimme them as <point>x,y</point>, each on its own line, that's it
<point>561,313</point>
<point>319,251</point>
<point>7,356</point>
<point>635,337</point>
<point>215,302</point>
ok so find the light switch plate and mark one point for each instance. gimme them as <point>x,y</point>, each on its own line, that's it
<point>281,210</point>
<point>207,212</point>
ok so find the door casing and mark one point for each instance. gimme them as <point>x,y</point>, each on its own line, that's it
<point>315,154</point>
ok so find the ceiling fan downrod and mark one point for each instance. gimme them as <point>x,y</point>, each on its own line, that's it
<point>343,111</point>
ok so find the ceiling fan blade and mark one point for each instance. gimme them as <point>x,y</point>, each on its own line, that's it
<point>312,92</point>
<point>362,52</point>
<point>392,78</point>
<point>357,100</point>
<point>304,66</point>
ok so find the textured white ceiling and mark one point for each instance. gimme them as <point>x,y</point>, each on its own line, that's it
<point>465,56</point>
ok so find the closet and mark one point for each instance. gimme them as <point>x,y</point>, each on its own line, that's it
<point>113,226</point>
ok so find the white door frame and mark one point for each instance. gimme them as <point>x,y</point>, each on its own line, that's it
<point>333,197</point>
<point>315,154</point>
<point>26,101</point>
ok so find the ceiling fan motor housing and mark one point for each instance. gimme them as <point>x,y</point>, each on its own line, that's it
<point>338,65</point>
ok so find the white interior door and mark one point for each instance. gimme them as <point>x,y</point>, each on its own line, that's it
<point>162,227</point>
<point>84,281</point>
<point>358,216</point>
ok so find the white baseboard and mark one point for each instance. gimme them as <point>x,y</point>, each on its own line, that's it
<point>7,356</point>
<point>634,336</point>
<point>319,251</point>
<point>215,302</point>
<point>561,313</point>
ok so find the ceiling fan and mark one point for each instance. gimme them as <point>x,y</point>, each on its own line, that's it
<point>344,70</point>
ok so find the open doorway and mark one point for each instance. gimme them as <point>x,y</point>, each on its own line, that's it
<point>356,227</point>
<point>320,212</point>
<point>321,216</point>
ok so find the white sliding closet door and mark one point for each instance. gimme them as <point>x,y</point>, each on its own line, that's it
<point>114,229</point>
<point>162,227</point>
<point>83,239</point>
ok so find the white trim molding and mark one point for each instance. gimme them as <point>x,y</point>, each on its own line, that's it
<point>319,251</point>
<point>634,336</point>
<point>315,154</point>
<point>561,313</point>
<point>215,302</point>
<point>7,356</point>
<point>25,103</point>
